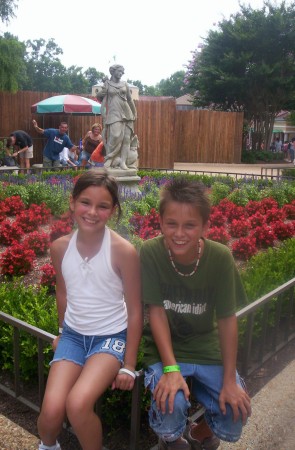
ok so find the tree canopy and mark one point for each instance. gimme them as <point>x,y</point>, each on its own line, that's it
<point>248,65</point>
<point>7,8</point>
<point>12,63</point>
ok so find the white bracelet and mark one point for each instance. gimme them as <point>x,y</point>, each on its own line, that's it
<point>128,372</point>
<point>60,330</point>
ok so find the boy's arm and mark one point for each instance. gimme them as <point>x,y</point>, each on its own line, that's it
<point>231,392</point>
<point>171,382</point>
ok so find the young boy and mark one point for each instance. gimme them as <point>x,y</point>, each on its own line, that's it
<point>191,287</point>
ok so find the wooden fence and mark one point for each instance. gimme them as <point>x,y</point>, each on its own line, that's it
<point>165,134</point>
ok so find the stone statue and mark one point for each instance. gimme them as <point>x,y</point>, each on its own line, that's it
<point>119,115</point>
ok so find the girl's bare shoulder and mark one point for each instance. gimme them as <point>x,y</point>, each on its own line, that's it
<point>121,245</point>
<point>60,245</point>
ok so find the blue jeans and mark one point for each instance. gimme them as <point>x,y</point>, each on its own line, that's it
<point>85,155</point>
<point>206,387</point>
<point>76,347</point>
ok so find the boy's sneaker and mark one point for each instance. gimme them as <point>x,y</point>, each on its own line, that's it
<point>182,445</point>
<point>52,447</point>
<point>210,443</point>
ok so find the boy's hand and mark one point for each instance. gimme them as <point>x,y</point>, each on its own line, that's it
<point>238,399</point>
<point>167,388</point>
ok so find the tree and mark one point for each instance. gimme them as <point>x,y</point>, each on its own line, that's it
<point>93,77</point>
<point>79,84</point>
<point>248,65</point>
<point>44,68</point>
<point>12,64</point>
<point>173,86</point>
<point>144,89</point>
<point>7,10</point>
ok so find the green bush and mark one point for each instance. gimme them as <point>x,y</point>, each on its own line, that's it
<point>263,273</point>
<point>248,157</point>
<point>55,197</point>
<point>33,305</point>
<point>283,192</point>
<point>244,194</point>
<point>268,270</point>
<point>219,191</point>
<point>14,189</point>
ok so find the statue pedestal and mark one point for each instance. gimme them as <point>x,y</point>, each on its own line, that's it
<point>126,179</point>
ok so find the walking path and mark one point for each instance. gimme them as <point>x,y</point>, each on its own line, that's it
<point>249,169</point>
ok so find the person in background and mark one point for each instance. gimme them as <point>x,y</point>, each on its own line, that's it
<point>57,139</point>
<point>65,159</point>
<point>99,313</point>
<point>22,143</point>
<point>90,142</point>
<point>97,157</point>
<point>278,145</point>
<point>292,150</point>
<point>191,288</point>
<point>74,155</point>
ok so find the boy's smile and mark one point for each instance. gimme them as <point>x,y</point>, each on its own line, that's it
<point>182,227</point>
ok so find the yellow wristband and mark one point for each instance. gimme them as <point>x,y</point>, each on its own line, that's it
<point>168,369</point>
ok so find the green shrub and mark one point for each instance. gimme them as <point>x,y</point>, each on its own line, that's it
<point>263,273</point>
<point>15,189</point>
<point>248,157</point>
<point>283,192</point>
<point>33,305</point>
<point>219,191</point>
<point>244,194</point>
<point>268,270</point>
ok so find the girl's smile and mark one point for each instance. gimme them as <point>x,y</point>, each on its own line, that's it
<point>93,208</point>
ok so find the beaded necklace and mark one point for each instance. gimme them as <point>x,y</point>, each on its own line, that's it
<point>196,266</point>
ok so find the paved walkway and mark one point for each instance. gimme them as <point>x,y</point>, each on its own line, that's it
<point>271,426</point>
<point>249,169</point>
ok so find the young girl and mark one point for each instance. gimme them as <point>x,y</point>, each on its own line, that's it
<point>191,287</point>
<point>99,311</point>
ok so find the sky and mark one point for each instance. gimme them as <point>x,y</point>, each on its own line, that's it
<point>151,39</point>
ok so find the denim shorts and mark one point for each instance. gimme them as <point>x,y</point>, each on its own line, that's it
<point>77,348</point>
<point>206,386</point>
<point>85,155</point>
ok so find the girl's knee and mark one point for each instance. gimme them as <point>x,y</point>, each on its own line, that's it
<point>51,418</point>
<point>76,407</point>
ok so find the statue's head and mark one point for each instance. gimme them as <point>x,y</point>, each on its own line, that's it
<point>115,67</point>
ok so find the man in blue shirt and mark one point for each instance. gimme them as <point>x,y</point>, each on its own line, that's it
<point>57,139</point>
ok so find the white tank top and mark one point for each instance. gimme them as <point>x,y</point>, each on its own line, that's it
<point>95,299</point>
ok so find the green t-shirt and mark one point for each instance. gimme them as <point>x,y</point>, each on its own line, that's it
<point>192,304</point>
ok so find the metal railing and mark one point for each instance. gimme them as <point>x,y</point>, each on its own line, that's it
<point>235,175</point>
<point>254,350</point>
<point>268,334</point>
<point>44,337</point>
<point>38,169</point>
